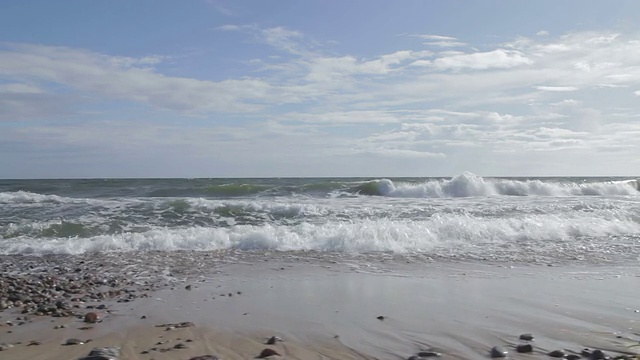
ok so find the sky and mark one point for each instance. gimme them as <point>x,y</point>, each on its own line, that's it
<point>370,88</point>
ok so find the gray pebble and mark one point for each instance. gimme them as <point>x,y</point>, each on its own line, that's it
<point>556,354</point>
<point>74,341</point>
<point>426,354</point>
<point>498,352</point>
<point>524,348</point>
<point>526,337</point>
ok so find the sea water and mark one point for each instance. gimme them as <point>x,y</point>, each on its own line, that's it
<point>466,217</point>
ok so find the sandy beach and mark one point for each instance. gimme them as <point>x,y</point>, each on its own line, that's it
<point>324,307</point>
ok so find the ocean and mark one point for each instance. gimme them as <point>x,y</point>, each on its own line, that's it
<point>466,217</point>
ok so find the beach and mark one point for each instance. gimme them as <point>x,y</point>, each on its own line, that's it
<point>335,268</point>
<point>325,306</point>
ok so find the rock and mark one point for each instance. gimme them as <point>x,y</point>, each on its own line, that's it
<point>414,357</point>
<point>266,353</point>
<point>524,348</point>
<point>380,317</point>
<point>5,347</point>
<point>103,353</point>
<point>34,343</point>
<point>585,352</point>
<point>556,354</point>
<point>188,287</point>
<point>180,346</point>
<point>91,317</point>
<point>426,354</point>
<point>73,341</point>
<point>204,357</point>
<point>597,355</point>
<point>498,352</point>
<point>526,337</point>
<point>572,357</point>
<point>272,340</point>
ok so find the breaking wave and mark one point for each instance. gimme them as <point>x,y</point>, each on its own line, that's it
<point>470,185</point>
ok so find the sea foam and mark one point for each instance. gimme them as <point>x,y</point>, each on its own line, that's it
<point>470,185</point>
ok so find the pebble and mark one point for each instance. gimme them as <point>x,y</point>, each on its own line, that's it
<point>556,354</point>
<point>204,357</point>
<point>572,357</point>
<point>597,354</point>
<point>526,337</point>
<point>56,285</point>
<point>272,340</point>
<point>380,317</point>
<point>103,353</point>
<point>524,348</point>
<point>5,347</point>
<point>91,317</point>
<point>180,346</point>
<point>498,352</point>
<point>266,353</point>
<point>425,354</point>
<point>74,341</point>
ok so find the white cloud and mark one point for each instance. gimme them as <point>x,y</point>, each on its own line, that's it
<point>445,44</point>
<point>436,37</point>
<point>402,153</point>
<point>407,103</point>
<point>496,59</point>
<point>17,88</point>
<point>557,88</point>
<point>229,27</point>
<point>129,79</point>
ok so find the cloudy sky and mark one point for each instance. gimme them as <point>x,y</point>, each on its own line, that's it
<point>217,88</point>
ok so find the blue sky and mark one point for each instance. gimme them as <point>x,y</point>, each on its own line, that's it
<point>206,88</point>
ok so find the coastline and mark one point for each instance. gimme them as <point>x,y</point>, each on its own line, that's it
<point>329,307</point>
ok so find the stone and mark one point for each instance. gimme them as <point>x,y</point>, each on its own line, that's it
<point>204,357</point>
<point>526,337</point>
<point>556,354</point>
<point>73,341</point>
<point>272,340</point>
<point>524,348</point>
<point>180,346</point>
<point>597,354</point>
<point>426,354</point>
<point>380,317</point>
<point>498,352</point>
<point>573,357</point>
<point>103,353</point>
<point>266,353</point>
<point>91,317</point>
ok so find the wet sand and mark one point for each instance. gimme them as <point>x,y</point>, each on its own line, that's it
<point>351,308</point>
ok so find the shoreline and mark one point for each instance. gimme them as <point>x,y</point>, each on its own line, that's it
<point>329,307</point>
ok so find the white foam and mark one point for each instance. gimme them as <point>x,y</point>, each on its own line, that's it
<point>470,185</point>
<point>449,234</point>
<point>28,198</point>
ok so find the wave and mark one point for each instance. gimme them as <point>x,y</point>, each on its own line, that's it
<point>25,197</point>
<point>523,238</point>
<point>470,185</point>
